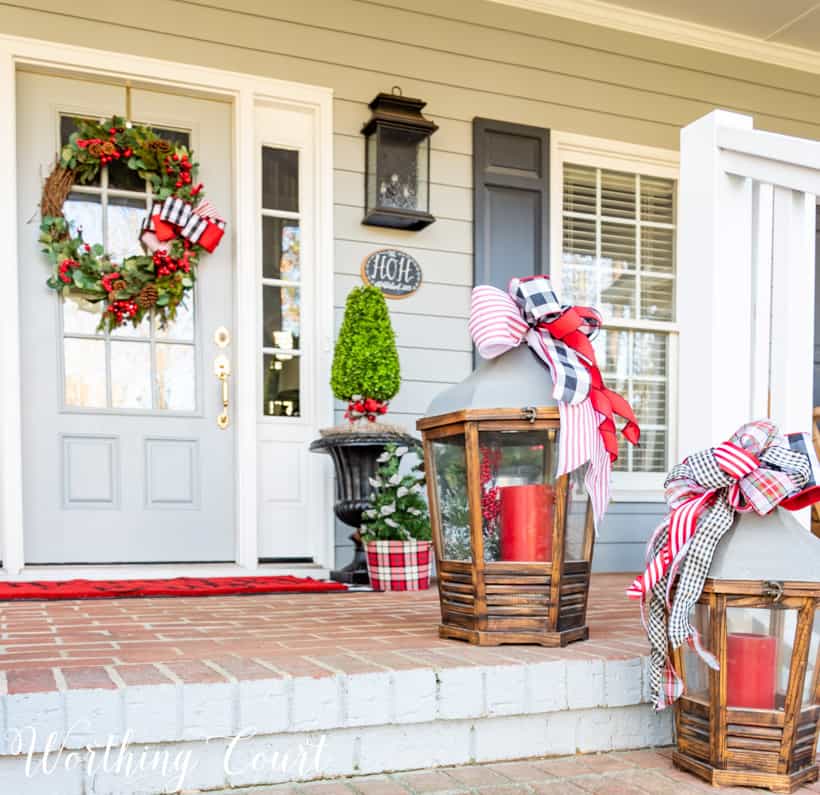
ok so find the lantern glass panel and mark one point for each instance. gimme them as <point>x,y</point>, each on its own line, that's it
<point>696,672</point>
<point>576,521</point>
<point>401,169</point>
<point>759,644</point>
<point>810,686</point>
<point>517,494</point>
<point>450,462</point>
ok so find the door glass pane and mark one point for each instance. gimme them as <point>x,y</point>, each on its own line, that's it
<point>83,212</point>
<point>81,317</point>
<point>124,217</point>
<point>280,379</point>
<point>84,363</point>
<point>451,487</point>
<point>280,179</point>
<point>176,377</point>
<point>695,669</point>
<point>759,644</point>
<point>280,249</point>
<point>142,331</point>
<point>130,375</point>
<point>68,125</point>
<point>182,326</point>
<point>518,494</point>
<point>280,311</point>
<point>120,177</point>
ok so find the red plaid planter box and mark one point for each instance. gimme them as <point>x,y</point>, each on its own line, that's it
<point>399,565</point>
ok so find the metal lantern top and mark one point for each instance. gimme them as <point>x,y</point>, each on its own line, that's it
<point>514,380</point>
<point>398,110</point>
<point>771,547</point>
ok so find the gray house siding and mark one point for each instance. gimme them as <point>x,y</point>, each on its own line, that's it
<point>466,58</point>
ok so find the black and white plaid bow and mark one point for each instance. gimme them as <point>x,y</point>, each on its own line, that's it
<point>757,469</point>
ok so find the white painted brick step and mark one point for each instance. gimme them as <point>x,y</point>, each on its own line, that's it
<point>357,723</point>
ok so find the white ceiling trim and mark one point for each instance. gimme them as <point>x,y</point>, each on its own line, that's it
<point>596,12</point>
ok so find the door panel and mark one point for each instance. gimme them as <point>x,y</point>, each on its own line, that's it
<point>122,458</point>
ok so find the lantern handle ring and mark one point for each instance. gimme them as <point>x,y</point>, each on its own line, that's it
<point>774,589</point>
<point>529,413</point>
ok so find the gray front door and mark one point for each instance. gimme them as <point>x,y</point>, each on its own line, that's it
<point>123,461</point>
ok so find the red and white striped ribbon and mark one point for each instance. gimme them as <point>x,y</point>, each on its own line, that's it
<point>734,460</point>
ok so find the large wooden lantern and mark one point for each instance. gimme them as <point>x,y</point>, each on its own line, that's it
<point>754,721</point>
<point>513,542</point>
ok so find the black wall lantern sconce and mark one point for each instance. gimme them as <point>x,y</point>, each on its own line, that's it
<point>397,163</point>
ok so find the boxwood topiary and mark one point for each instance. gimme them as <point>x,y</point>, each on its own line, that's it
<point>365,361</point>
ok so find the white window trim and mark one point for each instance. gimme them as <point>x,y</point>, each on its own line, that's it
<point>650,161</point>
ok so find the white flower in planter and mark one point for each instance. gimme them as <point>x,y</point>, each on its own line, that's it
<point>385,456</point>
<point>395,479</point>
<point>402,491</point>
<point>417,489</point>
<point>400,451</point>
<point>386,510</point>
<point>391,523</point>
<point>375,482</point>
<point>414,511</point>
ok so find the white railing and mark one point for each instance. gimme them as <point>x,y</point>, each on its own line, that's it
<point>745,266</point>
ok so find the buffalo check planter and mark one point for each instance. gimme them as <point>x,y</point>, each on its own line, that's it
<point>399,565</point>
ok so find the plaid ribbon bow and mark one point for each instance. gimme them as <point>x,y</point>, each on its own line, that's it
<point>178,218</point>
<point>560,337</point>
<point>756,470</point>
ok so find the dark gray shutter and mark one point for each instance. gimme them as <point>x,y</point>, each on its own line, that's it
<point>511,201</point>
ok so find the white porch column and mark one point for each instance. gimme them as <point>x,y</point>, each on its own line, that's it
<point>745,278</point>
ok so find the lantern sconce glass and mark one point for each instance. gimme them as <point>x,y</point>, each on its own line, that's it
<point>397,163</point>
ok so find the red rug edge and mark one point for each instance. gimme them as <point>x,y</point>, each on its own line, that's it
<point>54,590</point>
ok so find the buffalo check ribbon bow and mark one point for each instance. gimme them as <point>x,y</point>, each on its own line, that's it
<point>560,337</point>
<point>177,218</point>
<point>756,470</point>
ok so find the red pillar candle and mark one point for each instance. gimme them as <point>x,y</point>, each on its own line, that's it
<point>526,522</point>
<point>750,670</point>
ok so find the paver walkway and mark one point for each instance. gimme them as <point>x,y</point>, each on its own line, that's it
<point>617,773</point>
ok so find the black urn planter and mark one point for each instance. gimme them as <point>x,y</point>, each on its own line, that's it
<point>354,460</point>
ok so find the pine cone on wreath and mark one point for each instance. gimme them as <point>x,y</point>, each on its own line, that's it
<point>148,296</point>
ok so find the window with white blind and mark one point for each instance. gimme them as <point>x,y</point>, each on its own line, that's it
<point>617,253</point>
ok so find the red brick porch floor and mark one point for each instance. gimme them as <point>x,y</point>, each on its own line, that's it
<point>48,646</point>
<point>108,644</point>
<point>616,773</point>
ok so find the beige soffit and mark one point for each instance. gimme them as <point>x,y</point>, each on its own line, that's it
<point>611,15</point>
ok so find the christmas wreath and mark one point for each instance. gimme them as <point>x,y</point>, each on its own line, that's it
<point>179,227</point>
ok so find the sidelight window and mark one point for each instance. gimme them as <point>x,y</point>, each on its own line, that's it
<point>281,283</point>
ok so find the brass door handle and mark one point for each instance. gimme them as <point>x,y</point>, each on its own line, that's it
<point>222,370</point>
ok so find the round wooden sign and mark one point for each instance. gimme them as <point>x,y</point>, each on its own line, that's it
<point>395,273</point>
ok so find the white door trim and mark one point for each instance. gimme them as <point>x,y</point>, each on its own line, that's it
<point>244,91</point>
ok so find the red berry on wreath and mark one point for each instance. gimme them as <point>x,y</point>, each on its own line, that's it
<point>179,183</point>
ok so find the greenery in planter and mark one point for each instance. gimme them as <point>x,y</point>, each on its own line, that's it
<point>365,362</point>
<point>398,512</point>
